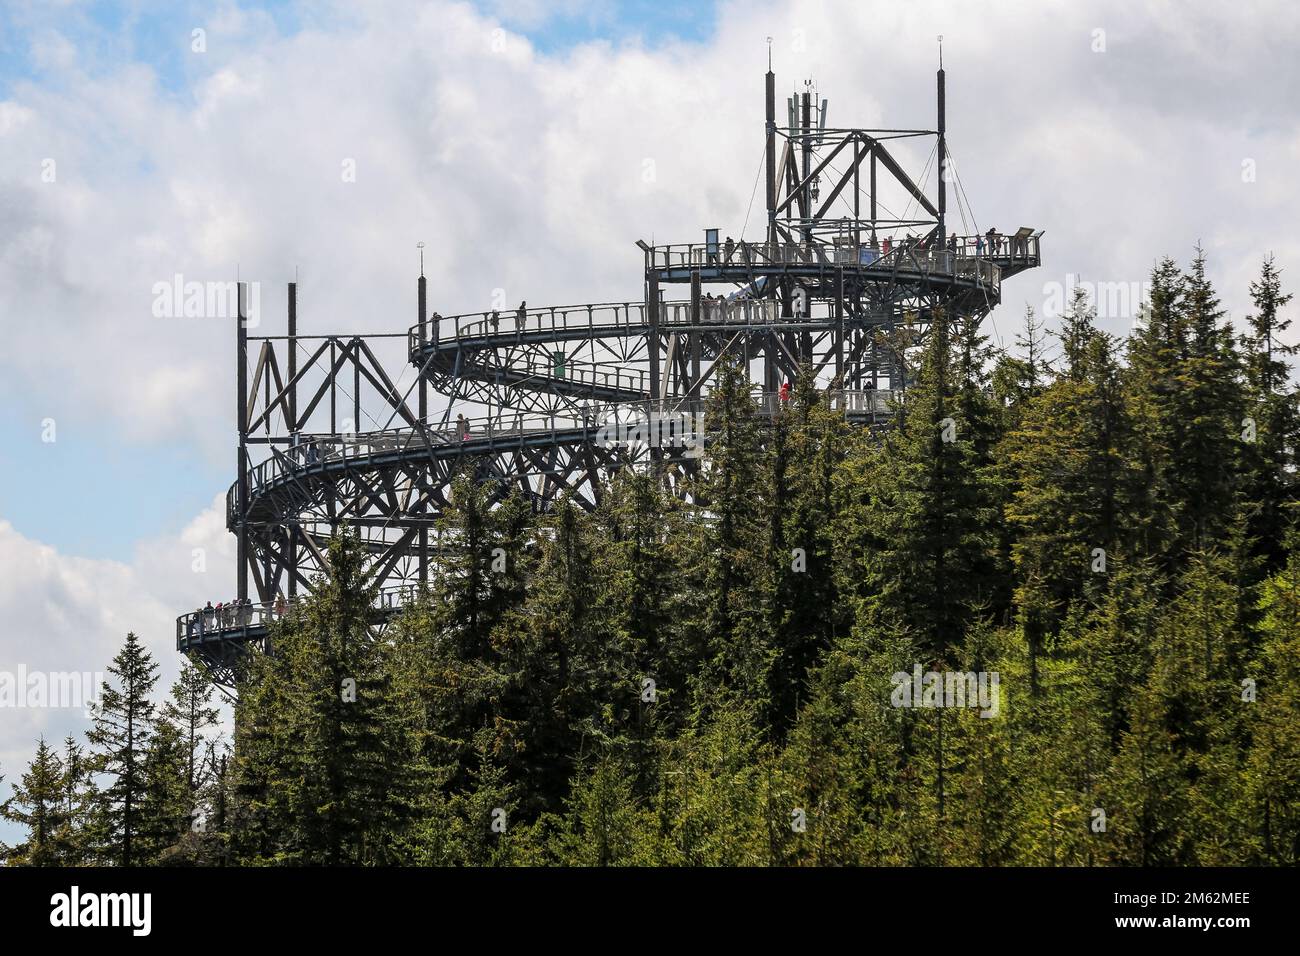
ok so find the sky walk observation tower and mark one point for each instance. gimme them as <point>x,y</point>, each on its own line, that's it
<point>856,255</point>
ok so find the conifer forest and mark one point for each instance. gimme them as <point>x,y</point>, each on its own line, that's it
<point>1092,539</point>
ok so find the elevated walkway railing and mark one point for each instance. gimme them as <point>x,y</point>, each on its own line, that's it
<point>603,319</point>
<point>976,257</point>
<point>211,623</point>
<point>998,248</point>
<point>539,371</point>
<point>607,317</point>
<point>318,452</point>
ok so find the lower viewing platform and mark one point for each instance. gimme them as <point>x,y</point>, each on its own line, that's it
<point>238,624</point>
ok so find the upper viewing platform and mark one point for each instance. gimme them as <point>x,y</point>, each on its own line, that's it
<point>974,261</point>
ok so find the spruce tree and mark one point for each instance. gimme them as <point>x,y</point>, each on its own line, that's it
<point>563,685</point>
<point>1208,411</point>
<point>1270,430</point>
<point>322,758</point>
<point>1078,327</point>
<point>1144,794</point>
<point>934,513</point>
<point>77,798</point>
<point>37,804</point>
<point>733,567</point>
<point>123,725</point>
<point>1074,489</point>
<point>189,709</point>
<point>455,673</point>
<point>639,535</point>
<point>1269,692</point>
<point>603,824</point>
<point>805,612</point>
<point>166,807</point>
<point>1155,352</point>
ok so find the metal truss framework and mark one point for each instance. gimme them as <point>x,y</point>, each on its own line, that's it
<point>846,297</point>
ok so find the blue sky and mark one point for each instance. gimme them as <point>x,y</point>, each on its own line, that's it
<point>91,494</point>
<point>108,33</point>
<point>649,21</point>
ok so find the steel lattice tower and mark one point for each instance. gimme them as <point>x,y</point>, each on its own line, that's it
<point>564,395</point>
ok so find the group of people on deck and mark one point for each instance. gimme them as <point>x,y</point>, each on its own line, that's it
<point>990,243</point>
<point>236,613</point>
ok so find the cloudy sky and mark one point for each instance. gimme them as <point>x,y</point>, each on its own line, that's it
<point>142,140</point>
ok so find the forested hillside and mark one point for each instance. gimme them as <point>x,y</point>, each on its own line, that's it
<point>1105,525</point>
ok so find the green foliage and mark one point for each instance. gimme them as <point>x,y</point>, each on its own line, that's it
<point>37,804</point>
<point>707,666</point>
<point>935,569</point>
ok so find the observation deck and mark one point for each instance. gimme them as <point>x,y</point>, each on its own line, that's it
<point>220,635</point>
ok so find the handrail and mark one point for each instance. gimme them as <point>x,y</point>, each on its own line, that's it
<point>238,617</point>
<point>543,372</point>
<point>977,259</point>
<point>603,317</point>
<point>839,251</point>
<point>316,451</point>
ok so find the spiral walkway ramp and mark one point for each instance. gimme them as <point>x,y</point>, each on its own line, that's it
<point>550,401</point>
